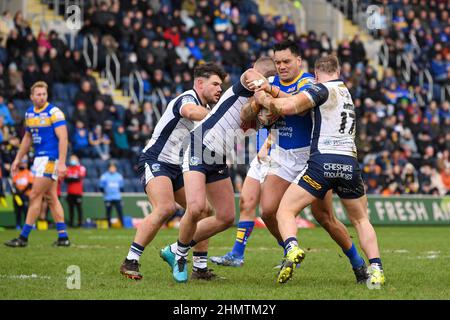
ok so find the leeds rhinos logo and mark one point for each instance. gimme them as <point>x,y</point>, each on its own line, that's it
<point>292,89</point>
<point>156,167</point>
<point>194,161</point>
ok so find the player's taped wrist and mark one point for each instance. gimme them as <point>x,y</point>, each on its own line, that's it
<point>272,92</point>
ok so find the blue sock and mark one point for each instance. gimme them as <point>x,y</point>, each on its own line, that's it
<point>26,231</point>
<point>290,243</point>
<point>354,257</point>
<point>281,244</point>
<point>244,230</point>
<point>61,228</point>
<point>377,261</point>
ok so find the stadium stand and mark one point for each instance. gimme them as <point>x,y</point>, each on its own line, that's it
<point>404,118</point>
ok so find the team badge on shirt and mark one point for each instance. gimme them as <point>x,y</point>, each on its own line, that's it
<point>156,167</point>
<point>194,161</point>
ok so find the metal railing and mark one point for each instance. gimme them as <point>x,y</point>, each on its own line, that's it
<point>404,65</point>
<point>383,54</point>
<point>90,62</point>
<point>419,98</point>
<point>426,75</point>
<point>138,97</point>
<point>445,92</point>
<point>113,77</point>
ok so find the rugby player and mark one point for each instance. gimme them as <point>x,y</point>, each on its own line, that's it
<point>160,166</point>
<point>46,131</point>
<point>287,159</point>
<point>332,165</point>
<point>206,174</point>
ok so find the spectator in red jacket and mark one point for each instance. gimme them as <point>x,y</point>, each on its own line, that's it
<point>74,179</point>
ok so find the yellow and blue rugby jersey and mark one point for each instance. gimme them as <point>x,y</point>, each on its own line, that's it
<point>41,124</point>
<point>294,131</point>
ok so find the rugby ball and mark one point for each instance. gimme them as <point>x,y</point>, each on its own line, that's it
<point>265,118</point>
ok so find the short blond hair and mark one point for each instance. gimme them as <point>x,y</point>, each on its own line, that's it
<point>327,64</point>
<point>39,84</point>
<point>266,66</point>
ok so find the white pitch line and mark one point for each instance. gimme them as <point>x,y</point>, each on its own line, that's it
<point>23,276</point>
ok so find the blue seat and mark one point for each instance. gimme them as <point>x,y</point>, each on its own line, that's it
<point>90,185</point>
<point>128,185</point>
<point>87,162</point>
<point>69,110</point>
<point>101,165</point>
<point>126,168</point>
<point>137,185</point>
<point>72,90</point>
<point>132,173</point>
<point>22,105</point>
<point>92,172</point>
<point>59,92</point>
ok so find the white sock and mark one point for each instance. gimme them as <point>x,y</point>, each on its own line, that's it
<point>173,247</point>
<point>133,256</point>
<point>182,251</point>
<point>135,252</point>
<point>200,260</point>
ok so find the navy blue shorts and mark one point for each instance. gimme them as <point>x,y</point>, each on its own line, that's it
<point>330,171</point>
<point>149,168</point>
<point>206,162</point>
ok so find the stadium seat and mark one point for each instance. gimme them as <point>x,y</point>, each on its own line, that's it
<point>128,185</point>
<point>72,90</point>
<point>92,172</point>
<point>90,185</point>
<point>101,165</point>
<point>87,162</point>
<point>70,109</point>
<point>132,173</point>
<point>126,168</point>
<point>137,185</point>
<point>59,92</point>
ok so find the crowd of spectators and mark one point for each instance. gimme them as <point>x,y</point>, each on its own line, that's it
<point>403,135</point>
<point>403,138</point>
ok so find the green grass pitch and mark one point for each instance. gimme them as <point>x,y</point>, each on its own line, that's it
<point>416,261</point>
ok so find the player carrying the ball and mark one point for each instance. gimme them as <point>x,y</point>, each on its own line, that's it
<point>332,164</point>
<point>289,146</point>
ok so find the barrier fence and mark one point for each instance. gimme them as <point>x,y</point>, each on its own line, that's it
<point>393,210</point>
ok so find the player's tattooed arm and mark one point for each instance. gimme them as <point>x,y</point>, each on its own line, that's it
<point>284,106</point>
<point>194,112</point>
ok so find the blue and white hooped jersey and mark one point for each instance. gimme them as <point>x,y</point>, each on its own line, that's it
<point>334,119</point>
<point>171,134</point>
<point>294,131</point>
<point>217,131</point>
